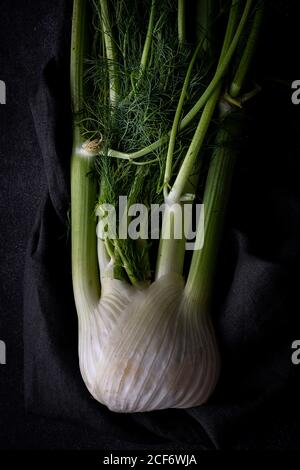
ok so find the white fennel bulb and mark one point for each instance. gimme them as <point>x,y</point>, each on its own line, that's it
<point>143,350</point>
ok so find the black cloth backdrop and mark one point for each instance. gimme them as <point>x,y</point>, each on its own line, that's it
<point>256,308</point>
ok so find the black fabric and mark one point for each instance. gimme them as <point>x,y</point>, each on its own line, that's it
<point>256,308</point>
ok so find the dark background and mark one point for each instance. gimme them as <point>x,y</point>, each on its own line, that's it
<point>257,307</point>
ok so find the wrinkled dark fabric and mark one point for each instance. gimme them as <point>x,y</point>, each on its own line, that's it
<point>256,307</point>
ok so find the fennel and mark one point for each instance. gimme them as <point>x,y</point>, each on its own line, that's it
<point>146,339</point>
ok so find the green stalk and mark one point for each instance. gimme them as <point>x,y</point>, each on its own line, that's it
<point>77,54</point>
<point>84,243</point>
<point>245,61</point>
<point>173,133</point>
<point>199,285</point>
<point>230,30</point>
<point>200,133</point>
<point>200,279</point>
<point>221,69</point>
<point>83,190</point>
<point>110,52</point>
<point>135,81</point>
<point>171,252</point>
<point>148,41</point>
<point>126,264</point>
<point>194,148</point>
<point>181,21</point>
<point>203,22</point>
<point>170,257</point>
